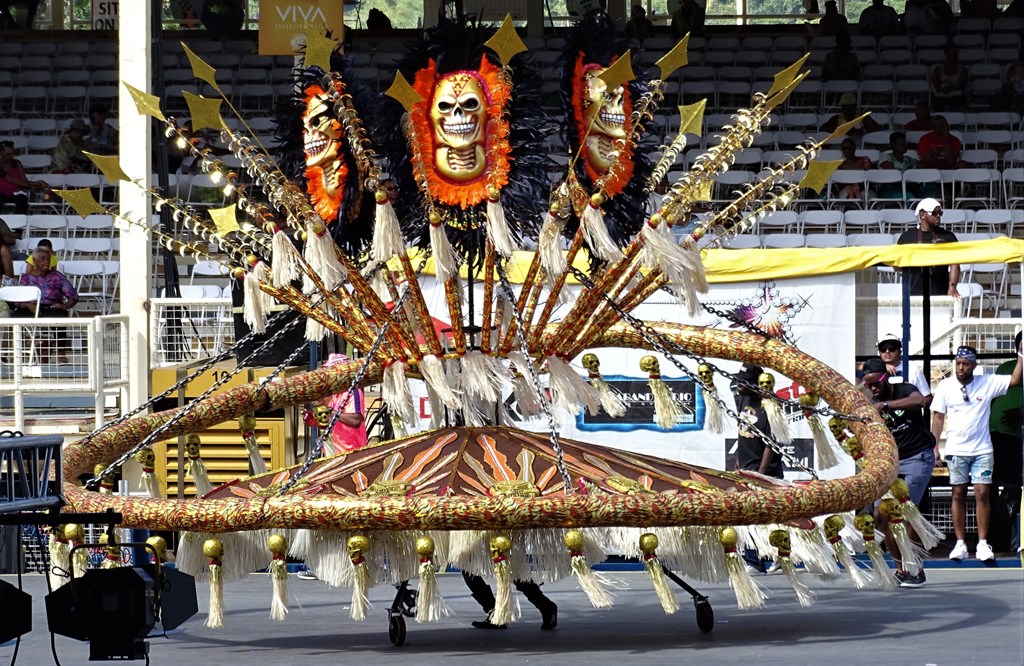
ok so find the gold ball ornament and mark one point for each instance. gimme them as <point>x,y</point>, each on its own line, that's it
<point>865,524</point>
<point>159,545</point>
<point>728,537</point>
<point>247,422</point>
<point>380,196</point>
<point>808,399</point>
<point>591,362</point>
<point>493,193</point>
<point>252,259</point>
<point>574,540</point>
<point>501,544</point>
<point>319,228</point>
<point>648,543</point>
<point>900,490</point>
<point>554,208</point>
<point>425,546</point>
<point>238,272</point>
<point>277,544</point>
<point>213,549</point>
<point>434,218</point>
<point>597,199</point>
<point>74,532</point>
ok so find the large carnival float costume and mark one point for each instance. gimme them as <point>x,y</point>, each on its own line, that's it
<point>315,230</point>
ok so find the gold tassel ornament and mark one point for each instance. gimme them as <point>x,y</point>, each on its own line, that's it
<point>277,544</point>
<point>148,480</point>
<point>213,549</point>
<point>568,388</point>
<point>503,612</point>
<point>648,548</point>
<point>824,454</point>
<point>549,244</point>
<point>666,412</point>
<point>865,524</point>
<point>498,230</point>
<point>60,561</point>
<point>776,419</point>
<point>714,421</point>
<point>748,594</point>
<point>862,579</point>
<point>610,402</point>
<point>929,535</point>
<point>430,606</point>
<point>75,535</point>
<point>247,425</point>
<point>909,553</point>
<point>321,256</point>
<point>284,261</point>
<point>781,540</point>
<point>196,467</point>
<point>590,582</point>
<point>387,235</point>
<point>111,552</point>
<point>357,547</point>
<point>446,262</point>
<point>595,233</point>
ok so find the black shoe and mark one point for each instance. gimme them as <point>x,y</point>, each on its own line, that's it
<point>908,580</point>
<point>550,618</point>
<point>486,624</point>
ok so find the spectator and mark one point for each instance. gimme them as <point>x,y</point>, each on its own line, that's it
<point>848,111</point>
<point>102,138</point>
<point>941,280</point>
<point>852,162</point>
<point>901,406</point>
<point>833,24</point>
<point>939,149</point>
<point>948,82</point>
<point>1006,446</point>
<point>963,404</point>
<point>14,184</point>
<point>1013,82</point>
<point>57,295</point>
<point>349,432</point>
<point>7,241</point>
<point>68,156</point>
<point>923,121</point>
<point>377,20</point>
<point>390,186</point>
<point>896,158</point>
<point>688,18</point>
<point>841,63</point>
<point>987,9</point>
<point>890,350</point>
<point>879,20</point>
<point>639,27</point>
<point>920,19</point>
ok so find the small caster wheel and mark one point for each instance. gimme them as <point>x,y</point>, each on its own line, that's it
<point>705,615</point>
<point>396,630</point>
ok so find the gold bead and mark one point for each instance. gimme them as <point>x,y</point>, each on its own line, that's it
<point>493,193</point>
<point>728,537</point>
<point>380,196</point>
<point>247,422</point>
<point>74,532</point>
<point>899,489</point>
<point>213,549</point>
<point>648,543</point>
<point>573,540</point>
<point>435,218</point>
<point>596,199</point>
<point>277,544</point>
<point>657,220</point>
<point>501,544</point>
<point>425,546</point>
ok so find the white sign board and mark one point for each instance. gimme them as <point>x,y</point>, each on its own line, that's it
<point>104,15</point>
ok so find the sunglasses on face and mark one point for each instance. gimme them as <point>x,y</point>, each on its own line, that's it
<point>889,348</point>
<point>936,213</point>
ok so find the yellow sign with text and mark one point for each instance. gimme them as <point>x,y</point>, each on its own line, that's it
<point>284,23</point>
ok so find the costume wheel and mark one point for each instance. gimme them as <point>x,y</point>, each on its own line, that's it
<point>396,630</point>
<point>705,615</point>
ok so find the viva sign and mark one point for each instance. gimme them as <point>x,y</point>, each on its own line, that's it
<point>283,23</point>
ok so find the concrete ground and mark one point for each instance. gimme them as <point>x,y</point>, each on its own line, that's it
<point>963,616</point>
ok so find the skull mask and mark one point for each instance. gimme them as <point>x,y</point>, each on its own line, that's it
<point>865,524</point>
<point>458,115</point>
<point>192,446</point>
<point>766,381</point>
<point>591,363</point>
<point>320,131</point>
<point>604,118</point>
<point>781,540</point>
<point>706,375</point>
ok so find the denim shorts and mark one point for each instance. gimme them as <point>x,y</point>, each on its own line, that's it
<point>969,469</point>
<point>917,472</point>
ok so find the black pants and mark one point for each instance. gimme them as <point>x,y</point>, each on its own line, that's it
<point>484,596</point>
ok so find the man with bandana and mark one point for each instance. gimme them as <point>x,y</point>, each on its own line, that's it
<point>963,404</point>
<point>900,404</point>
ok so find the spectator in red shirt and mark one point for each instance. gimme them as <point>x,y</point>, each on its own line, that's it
<point>939,149</point>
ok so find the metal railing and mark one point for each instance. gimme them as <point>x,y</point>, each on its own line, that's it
<point>64,356</point>
<point>183,330</point>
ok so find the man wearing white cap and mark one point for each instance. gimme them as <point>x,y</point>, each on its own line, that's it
<point>963,404</point>
<point>942,280</point>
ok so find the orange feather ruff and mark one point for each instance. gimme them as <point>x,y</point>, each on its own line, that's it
<point>325,203</point>
<point>622,171</point>
<point>439,188</point>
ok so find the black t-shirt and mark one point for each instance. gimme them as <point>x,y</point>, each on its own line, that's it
<point>938,276</point>
<point>750,447</point>
<point>907,425</point>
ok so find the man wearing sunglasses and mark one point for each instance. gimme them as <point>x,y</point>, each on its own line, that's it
<point>900,404</point>
<point>942,280</point>
<point>963,403</point>
<point>890,350</point>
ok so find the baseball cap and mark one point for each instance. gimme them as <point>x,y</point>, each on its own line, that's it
<point>335,359</point>
<point>889,337</point>
<point>927,205</point>
<point>873,365</point>
<point>848,99</point>
<point>749,373</point>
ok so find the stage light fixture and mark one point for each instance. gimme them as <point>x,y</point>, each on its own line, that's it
<point>17,606</point>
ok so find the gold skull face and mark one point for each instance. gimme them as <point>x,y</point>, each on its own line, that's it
<point>321,133</point>
<point>500,546</point>
<point>146,458</point>
<point>766,381</point>
<point>865,524</point>
<point>781,540</point>
<point>458,115</point>
<point>900,490</point>
<point>192,445</point>
<point>891,508</point>
<point>706,375</point>
<point>591,363</point>
<point>833,526</point>
<point>650,365</point>
<point>322,415</point>
<point>853,447</point>
<point>605,116</point>
<point>357,546</point>
<point>838,428</point>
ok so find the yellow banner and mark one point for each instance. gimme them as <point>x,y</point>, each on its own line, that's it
<point>283,23</point>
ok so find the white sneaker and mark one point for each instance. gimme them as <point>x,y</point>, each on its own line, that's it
<point>959,552</point>
<point>984,553</point>
<point>776,567</point>
<point>754,571</point>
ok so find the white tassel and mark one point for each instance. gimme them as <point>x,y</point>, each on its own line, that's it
<point>862,579</point>
<point>433,373</point>
<point>436,408</point>
<point>929,535</point>
<point>748,593</point>
<point>214,550</point>
<point>396,392</point>
<point>595,233</point>
<point>569,389</point>
<point>278,546</point>
<point>252,448</point>
<point>315,331</point>
<point>714,420</point>
<point>80,558</point>
<point>503,612</point>
<point>679,265</point>
<point>812,548</point>
<point>150,483</point>
<point>481,377</point>
<point>200,476</point>
<point>549,246</point>
<point>284,263</point>
<point>257,303</point>
<point>909,552</point>
<point>592,584</point>
<point>59,557</point>
<point>430,605</point>
<point>777,421</point>
<point>886,580</point>
<point>611,403</point>
<point>823,451</point>
<point>523,390</point>
<point>498,229</point>
<point>446,262</point>
<point>804,594</point>
<point>666,412</point>
<point>379,284</point>
<point>360,583</point>
<point>656,572</point>
<point>387,235</point>
<point>322,256</point>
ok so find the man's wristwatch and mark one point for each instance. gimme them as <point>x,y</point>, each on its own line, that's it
<point>885,406</point>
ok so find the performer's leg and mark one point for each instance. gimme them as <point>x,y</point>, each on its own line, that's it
<point>482,593</point>
<point>548,609</point>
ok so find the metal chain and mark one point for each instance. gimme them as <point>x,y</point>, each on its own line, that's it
<point>164,427</point>
<point>545,401</point>
<point>661,344</point>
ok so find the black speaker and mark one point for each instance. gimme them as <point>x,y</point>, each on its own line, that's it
<point>17,606</point>
<point>281,349</point>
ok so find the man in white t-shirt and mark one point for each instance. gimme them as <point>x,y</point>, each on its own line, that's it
<point>890,350</point>
<point>963,403</point>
